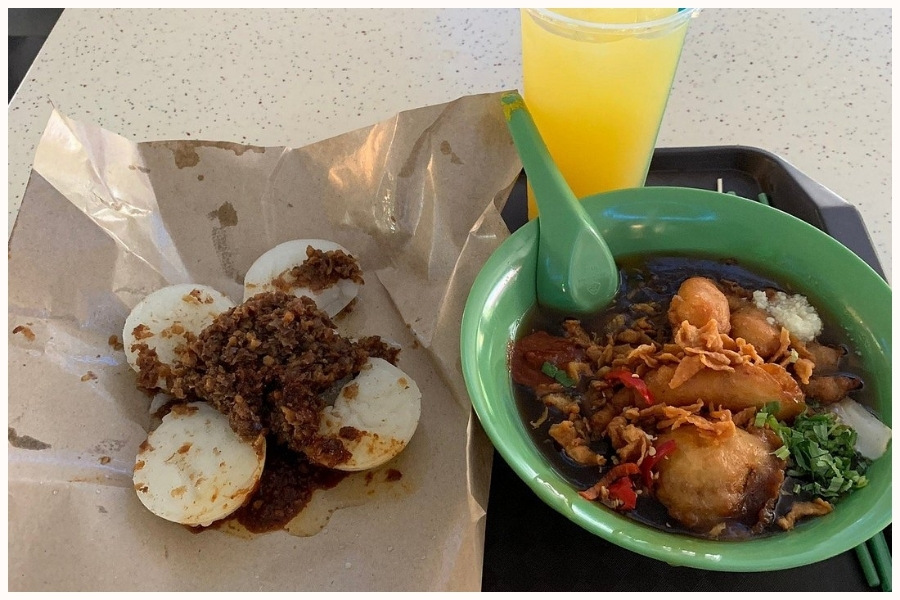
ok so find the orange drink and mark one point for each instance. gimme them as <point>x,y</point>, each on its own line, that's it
<point>596,81</point>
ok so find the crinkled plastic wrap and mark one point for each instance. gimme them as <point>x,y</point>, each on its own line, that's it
<point>105,221</point>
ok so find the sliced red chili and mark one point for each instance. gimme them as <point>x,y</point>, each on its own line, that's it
<point>623,491</point>
<point>649,462</point>
<point>620,470</point>
<point>632,381</point>
<point>618,484</point>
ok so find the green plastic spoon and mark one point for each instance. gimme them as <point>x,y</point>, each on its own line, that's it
<point>576,272</point>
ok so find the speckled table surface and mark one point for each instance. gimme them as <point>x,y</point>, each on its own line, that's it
<point>811,86</point>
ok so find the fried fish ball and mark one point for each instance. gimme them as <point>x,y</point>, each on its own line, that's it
<point>709,480</point>
<point>698,301</point>
<point>756,327</point>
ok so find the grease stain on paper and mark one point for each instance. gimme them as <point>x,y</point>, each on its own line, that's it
<point>26,331</point>
<point>227,216</point>
<point>446,150</point>
<point>26,442</point>
<point>110,446</point>
<point>354,490</point>
<point>409,165</point>
<point>114,343</point>
<point>185,151</point>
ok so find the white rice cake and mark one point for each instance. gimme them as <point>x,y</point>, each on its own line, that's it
<point>194,469</point>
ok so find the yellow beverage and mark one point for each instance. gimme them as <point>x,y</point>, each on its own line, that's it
<point>596,82</point>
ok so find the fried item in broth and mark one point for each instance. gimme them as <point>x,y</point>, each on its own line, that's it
<point>699,301</point>
<point>712,479</point>
<point>744,386</point>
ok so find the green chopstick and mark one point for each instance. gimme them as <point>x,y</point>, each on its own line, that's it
<point>868,565</point>
<point>881,556</point>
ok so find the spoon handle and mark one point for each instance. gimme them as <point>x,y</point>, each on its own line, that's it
<point>576,271</point>
<point>545,179</point>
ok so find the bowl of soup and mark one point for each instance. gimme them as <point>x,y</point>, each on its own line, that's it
<point>701,418</point>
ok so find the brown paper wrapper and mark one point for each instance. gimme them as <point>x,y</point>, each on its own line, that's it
<point>104,221</point>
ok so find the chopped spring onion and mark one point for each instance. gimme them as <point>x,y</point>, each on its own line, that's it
<point>551,370</point>
<point>820,452</point>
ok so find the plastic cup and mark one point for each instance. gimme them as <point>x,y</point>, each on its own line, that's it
<point>596,82</point>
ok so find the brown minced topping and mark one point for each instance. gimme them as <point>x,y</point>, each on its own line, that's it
<point>267,364</point>
<point>285,488</point>
<point>320,270</point>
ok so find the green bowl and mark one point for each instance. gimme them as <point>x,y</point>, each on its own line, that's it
<point>680,220</point>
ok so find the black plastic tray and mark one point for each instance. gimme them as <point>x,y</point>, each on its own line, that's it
<point>531,547</point>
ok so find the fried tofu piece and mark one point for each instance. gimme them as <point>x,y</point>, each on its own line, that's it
<point>574,444</point>
<point>799,510</point>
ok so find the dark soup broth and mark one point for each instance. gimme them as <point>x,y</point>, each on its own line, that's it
<point>657,407</point>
